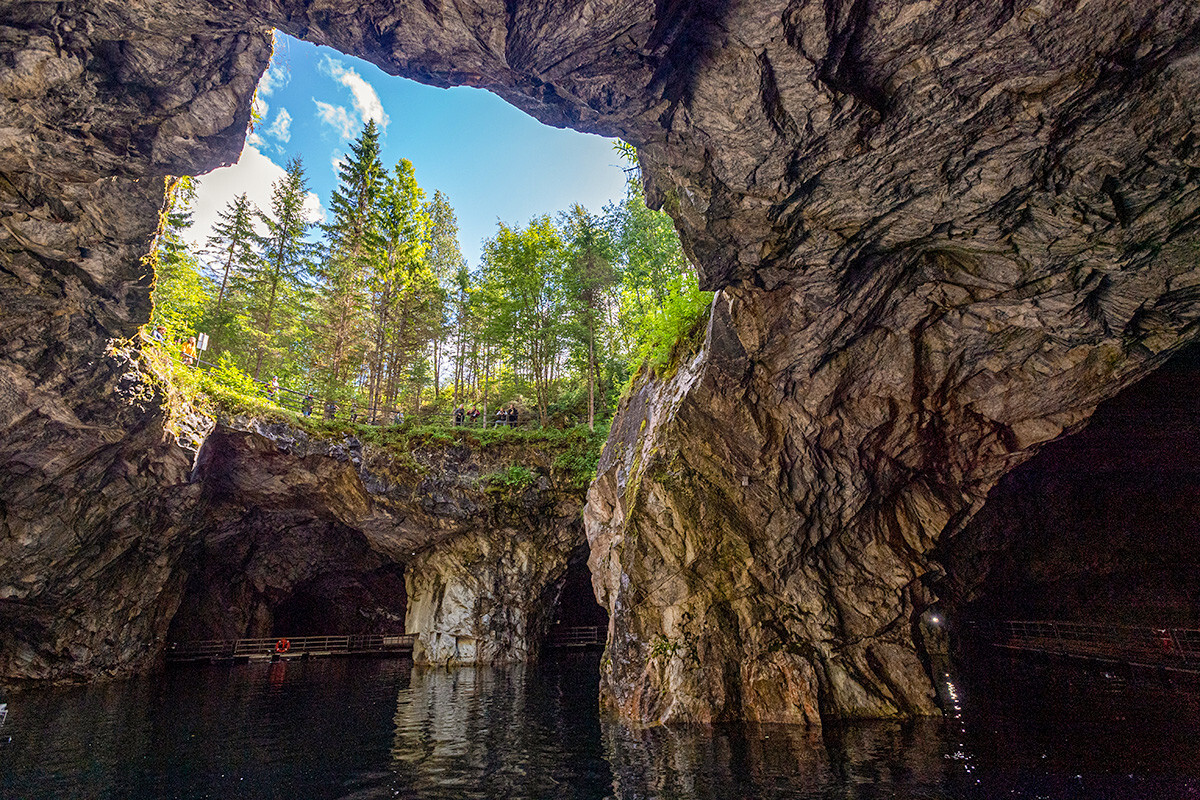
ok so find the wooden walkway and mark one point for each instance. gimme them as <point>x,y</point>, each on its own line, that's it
<point>578,636</point>
<point>217,650</point>
<point>1175,649</point>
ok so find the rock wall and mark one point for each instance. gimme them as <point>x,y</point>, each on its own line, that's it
<point>302,531</point>
<point>942,231</point>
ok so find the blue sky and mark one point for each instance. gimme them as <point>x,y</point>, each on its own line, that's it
<point>491,160</point>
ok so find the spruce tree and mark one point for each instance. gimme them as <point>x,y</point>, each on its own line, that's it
<point>399,285</point>
<point>354,248</point>
<point>231,248</point>
<point>271,283</point>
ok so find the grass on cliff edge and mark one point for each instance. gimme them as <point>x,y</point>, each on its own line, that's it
<point>575,450</point>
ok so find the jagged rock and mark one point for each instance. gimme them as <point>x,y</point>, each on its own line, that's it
<point>283,512</point>
<point>943,232</point>
<point>89,540</point>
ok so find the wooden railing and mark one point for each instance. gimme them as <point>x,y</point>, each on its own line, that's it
<point>288,647</point>
<point>1173,647</point>
<point>576,636</point>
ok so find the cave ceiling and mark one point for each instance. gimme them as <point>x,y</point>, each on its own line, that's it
<point>943,231</point>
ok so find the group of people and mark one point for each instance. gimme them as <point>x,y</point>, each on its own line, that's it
<point>187,351</point>
<point>504,416</point>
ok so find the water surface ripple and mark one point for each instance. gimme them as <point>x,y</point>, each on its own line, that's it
<point>382,729</point>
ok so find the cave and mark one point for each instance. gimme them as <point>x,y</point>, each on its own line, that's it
<point>941,235</point>
<point>573,608</point>
<point>279,574</point>
<point>1101,527</point>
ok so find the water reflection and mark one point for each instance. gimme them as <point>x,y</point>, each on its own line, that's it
<point>375,729</point>
<point>856,761</point>
<point>500,733</point>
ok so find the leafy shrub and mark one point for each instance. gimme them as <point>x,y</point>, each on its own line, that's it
<point>513,479</point>
<point>668,334</point>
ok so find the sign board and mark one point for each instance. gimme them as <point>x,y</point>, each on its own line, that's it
<point>202,341</point>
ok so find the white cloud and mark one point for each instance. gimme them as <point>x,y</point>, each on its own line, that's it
<point>260,107</point>
<point>338,117</point>
<point>281,128</point>
<point>313,208</point>
<point>253,174</point>
<point>273,79</point>
<point>365,98</point>
<point>254,140</point>
<point>336,161</point>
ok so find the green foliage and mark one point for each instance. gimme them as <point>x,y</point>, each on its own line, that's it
<point>579,461</point>
<point>227,375</point>
<point>662,647</point>
<point>670,331</point>
<point>383,312</point>
<point>513,479</point>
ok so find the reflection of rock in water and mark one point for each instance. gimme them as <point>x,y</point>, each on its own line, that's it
<point>495,732</point>
<point>777,760</point>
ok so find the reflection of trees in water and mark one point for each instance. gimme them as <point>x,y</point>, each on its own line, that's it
<point>527,732</point>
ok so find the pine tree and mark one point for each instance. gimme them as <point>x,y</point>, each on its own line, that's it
<point>271,283</point>
<point>354,248</point>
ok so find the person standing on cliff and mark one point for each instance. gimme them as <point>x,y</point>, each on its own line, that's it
<point>330,410</point>
<point>189,351</point>
<point>307,407</point>
<point>459,414</point>
<point>512,416</point>
<point>474,415</point>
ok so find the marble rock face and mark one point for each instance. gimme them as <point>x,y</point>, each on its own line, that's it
<point>327,536</point>
<point>942,233</point>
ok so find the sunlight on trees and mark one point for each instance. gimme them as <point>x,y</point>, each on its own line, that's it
<point>378,312</point>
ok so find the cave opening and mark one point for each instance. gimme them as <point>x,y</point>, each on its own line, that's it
<point>1101,528</point>
<point>279,574</point>
<point>464,142</point>
<point>575,618</point>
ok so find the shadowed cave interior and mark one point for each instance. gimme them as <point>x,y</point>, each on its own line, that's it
<point>1100,527</point>
<point>286,574</point>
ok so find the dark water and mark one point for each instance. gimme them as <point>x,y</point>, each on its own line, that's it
<point>380,729</point>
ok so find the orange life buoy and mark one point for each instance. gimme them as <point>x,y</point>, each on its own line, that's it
<point>282,646</point>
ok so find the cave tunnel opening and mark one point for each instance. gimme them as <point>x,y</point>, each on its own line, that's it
<point>464,142</point>
<point>575,619</point>
<point>284,574</point>
<point>1100,528</point>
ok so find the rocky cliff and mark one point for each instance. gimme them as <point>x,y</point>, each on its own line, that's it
<point>248,528</point>
<point>943,232</point>
<point>311,535</point>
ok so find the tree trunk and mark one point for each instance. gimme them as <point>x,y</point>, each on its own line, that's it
<point>591,374</point>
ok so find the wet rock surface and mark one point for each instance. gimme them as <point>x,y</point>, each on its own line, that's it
<point>943,233</point>
<point>274,532</point>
